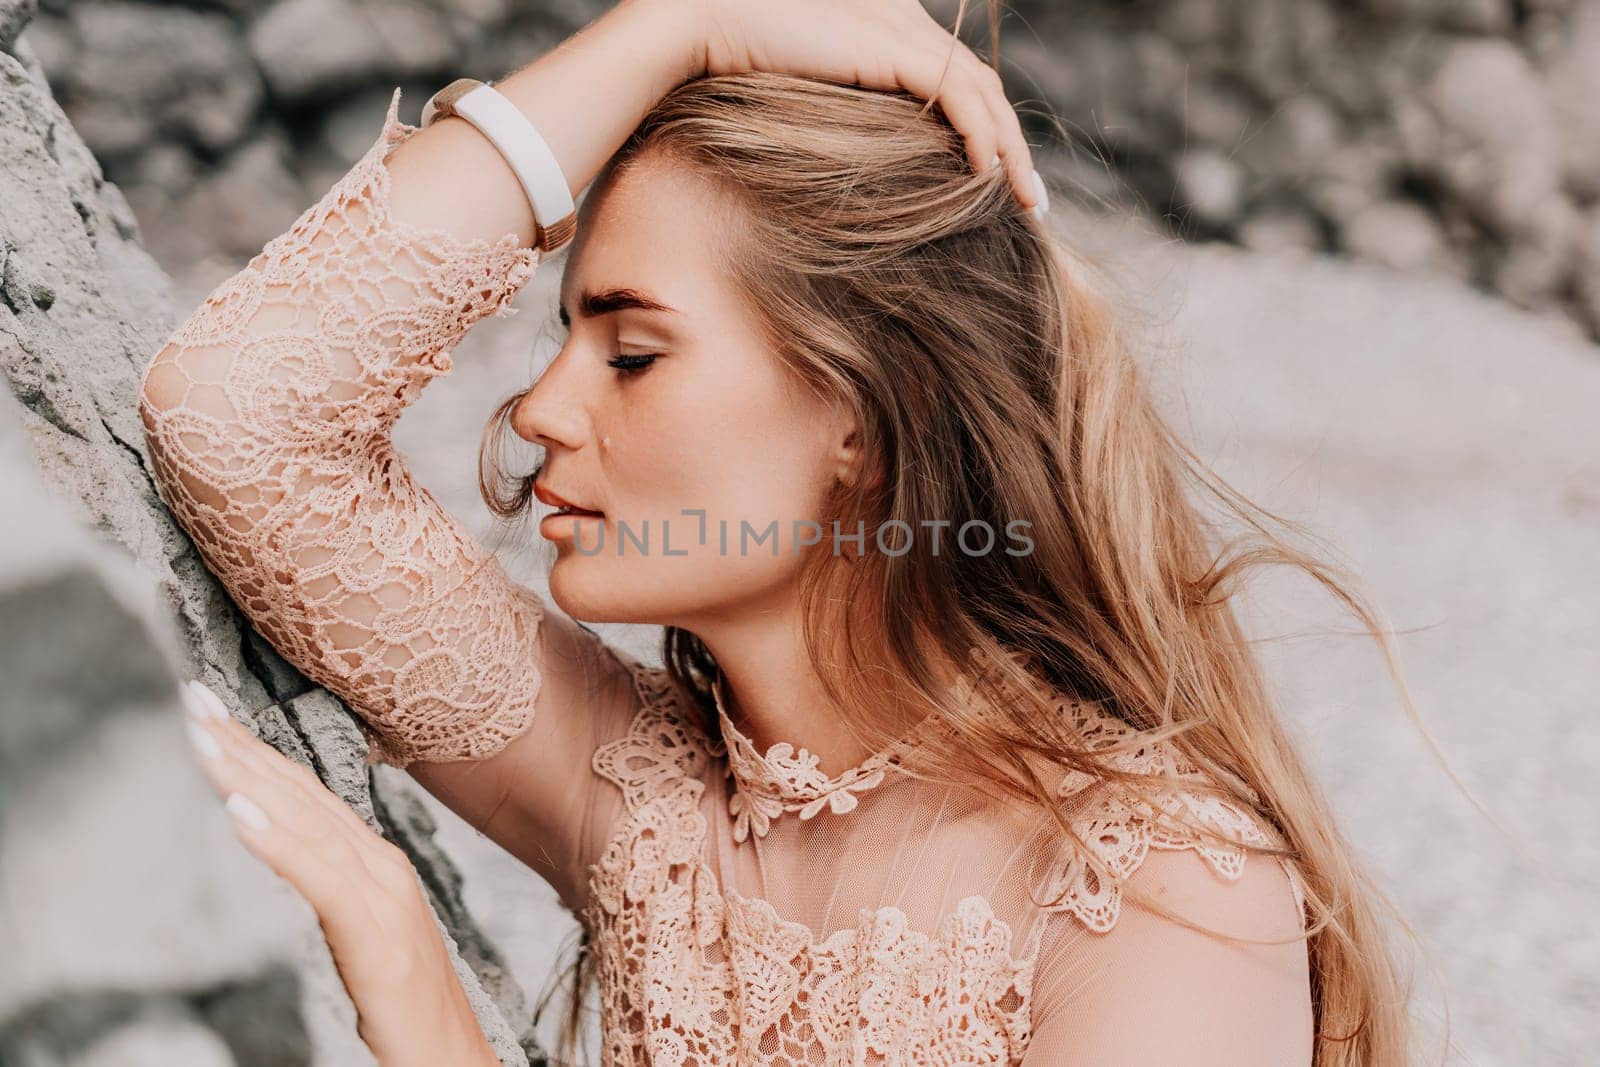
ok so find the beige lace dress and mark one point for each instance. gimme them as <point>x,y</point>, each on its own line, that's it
<point>745,907</point>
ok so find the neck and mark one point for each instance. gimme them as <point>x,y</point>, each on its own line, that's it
<point>774,692</point>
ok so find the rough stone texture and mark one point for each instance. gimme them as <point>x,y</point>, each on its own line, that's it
<point>137,928</point>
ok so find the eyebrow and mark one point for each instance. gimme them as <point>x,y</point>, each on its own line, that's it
<point>606,301</point>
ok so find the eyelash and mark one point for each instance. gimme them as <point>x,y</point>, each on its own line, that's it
<point>626,365</point>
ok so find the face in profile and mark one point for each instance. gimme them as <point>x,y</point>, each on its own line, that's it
<point>669,420</point>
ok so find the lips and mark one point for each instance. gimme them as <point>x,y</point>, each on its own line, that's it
<point>562,505</point>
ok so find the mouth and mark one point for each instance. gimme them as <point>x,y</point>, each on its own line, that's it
<point>562,505</point>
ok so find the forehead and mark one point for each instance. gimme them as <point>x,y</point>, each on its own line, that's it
<point>655,226</point>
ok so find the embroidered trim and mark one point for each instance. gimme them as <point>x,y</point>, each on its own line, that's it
<point>1121,825</point>
<point>665,749</point>
<point>786,780</point>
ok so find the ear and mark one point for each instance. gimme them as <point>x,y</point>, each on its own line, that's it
<point>846,449</point>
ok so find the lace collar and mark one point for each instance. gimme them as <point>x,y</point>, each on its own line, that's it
<point>787,780</point>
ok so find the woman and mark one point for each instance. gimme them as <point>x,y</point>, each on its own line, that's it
<point>959,756</point>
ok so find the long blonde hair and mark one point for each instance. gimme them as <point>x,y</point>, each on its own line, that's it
<point>994,381</point>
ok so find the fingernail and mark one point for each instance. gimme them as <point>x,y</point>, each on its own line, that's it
<point>995,162</point>
<point>245,811</point>
<point>203,742</point>
<point>192,705</point>
<point>1044,196</point>
<point>203,703</point>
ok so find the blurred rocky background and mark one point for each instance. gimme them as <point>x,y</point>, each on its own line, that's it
<point>1379,320</point>
<point>135,930</point>
<point>1451,136</point>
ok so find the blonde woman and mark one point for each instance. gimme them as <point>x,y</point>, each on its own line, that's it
<point>958,755</point>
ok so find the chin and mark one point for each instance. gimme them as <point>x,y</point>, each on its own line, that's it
<point>590,589</point>
<point>582,596</point>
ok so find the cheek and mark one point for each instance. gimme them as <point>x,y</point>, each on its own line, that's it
<point>741,447</point>
<point>743,452</point>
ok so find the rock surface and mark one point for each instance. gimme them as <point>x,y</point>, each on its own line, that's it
<point>138,929</point>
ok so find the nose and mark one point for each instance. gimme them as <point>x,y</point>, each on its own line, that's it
<point>552,413</point>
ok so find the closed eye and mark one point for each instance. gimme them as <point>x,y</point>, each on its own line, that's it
<point>631,364</point>
<point>626,364</point>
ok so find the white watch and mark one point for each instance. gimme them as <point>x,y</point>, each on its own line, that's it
<point>554,218</point>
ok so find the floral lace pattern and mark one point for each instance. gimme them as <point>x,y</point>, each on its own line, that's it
<point>693,974</point>
<point>690,969</point>
<point>1120,827</point>
<point>277,461</point>
<point>784,779</point>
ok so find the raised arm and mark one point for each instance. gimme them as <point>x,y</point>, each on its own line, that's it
<point>268,416</point>
<point>269,411</point>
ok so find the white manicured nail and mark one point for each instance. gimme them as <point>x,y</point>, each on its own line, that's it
<point>203,742</point>
<point>246,812</point>
<point>1044,196</point>
<point>995,162</point>
<point>206,704</point>
<point>193,706</point>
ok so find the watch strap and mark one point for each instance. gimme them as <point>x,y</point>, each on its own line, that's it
<point>524,149</point>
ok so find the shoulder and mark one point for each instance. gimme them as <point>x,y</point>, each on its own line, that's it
<point>1198,968</point>
<point>1175,925</point>
<point>1166,805</point>
<point>666,743</point>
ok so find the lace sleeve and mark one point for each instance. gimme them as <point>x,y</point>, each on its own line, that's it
<point>268,415</point>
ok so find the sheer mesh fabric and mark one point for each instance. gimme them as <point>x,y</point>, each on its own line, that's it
<point>744,906</point>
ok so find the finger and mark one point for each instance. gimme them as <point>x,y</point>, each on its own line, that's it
<point>280,817</point>
<point>1013,148</point>
<point>997,133</point>
<point>293,795</point>
<point>924,74</point>
<point>976,105</point>
<point>255,753</point>
<point>328,880</point>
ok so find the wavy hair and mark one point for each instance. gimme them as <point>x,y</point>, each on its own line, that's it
<point>995,380</point>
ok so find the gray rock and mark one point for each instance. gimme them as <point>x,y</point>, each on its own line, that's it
<point>1353,176</point>
<point>309,47</point>
<point>158,1042</point>
<point>1280,230</point>
<point>1588,269</point>
<point>54,44</point>
<point>14,15</point>
<point>1399,234</point>
<point>1483,128</point>
<point>1535,269</point>
<point>143,71</point>
<point>251,199</point>
<point>1218,115</point>
<point>1572,82</point>
<point>1211,186</point>
<point>95,770</point>
<point>349,130</point>
<point>1294,142</point>
<point>1471,16</point>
